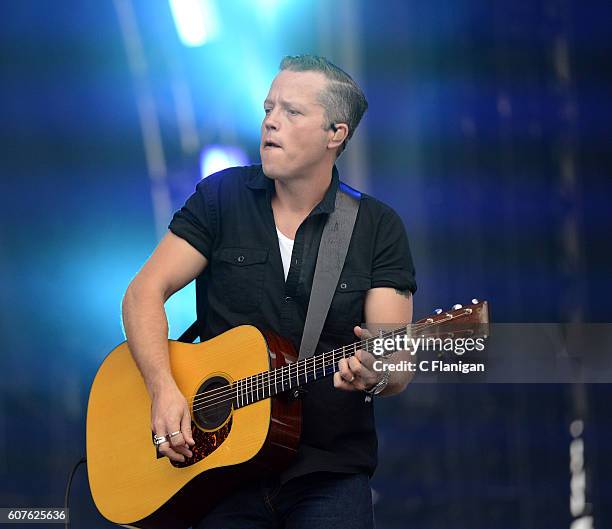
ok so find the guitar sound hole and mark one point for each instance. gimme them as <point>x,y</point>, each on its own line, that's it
<point>213,403</point>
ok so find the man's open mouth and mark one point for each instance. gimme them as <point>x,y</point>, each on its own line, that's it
<point>271,144</point>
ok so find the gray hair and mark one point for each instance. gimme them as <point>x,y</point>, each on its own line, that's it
<point>343,100</point>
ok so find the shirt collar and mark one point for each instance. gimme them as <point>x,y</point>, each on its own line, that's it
<point>258,180</point>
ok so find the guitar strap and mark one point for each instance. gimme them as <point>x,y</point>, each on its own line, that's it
<point>333,248</point>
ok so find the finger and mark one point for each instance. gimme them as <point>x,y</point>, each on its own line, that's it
<point>361,332</point>
<point>159,427</point>
<point>365,377</point>
<point>170,453</point>
<point>177,440</point>
<point>184,449</point>
<point>345,371</point>
<point>186,427</point>
<point>170,449</point>
<point>355,366</point>
<point>366,359</point>
<point>179,445</point>
<point>340,383</point>
<point>165,449</point>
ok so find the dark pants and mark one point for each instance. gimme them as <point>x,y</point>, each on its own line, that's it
<point>315,501</point>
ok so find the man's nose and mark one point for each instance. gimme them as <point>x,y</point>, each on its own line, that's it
<point>271,125</point>
<point>270,121</point>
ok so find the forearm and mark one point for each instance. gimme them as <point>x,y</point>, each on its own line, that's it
<point>392,307</point>
<point>146,330</point>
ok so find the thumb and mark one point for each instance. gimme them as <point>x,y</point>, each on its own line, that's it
<point>360,332</point>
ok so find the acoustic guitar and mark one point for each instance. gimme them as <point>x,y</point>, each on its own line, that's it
<point>242,388</point>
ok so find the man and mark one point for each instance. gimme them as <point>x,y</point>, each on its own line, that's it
<point>250,235</point>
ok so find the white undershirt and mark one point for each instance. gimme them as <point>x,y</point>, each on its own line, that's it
<point>286,248</point>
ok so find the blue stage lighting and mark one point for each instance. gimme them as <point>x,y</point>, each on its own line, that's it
<point>218,157</point>
<point>196,21</point>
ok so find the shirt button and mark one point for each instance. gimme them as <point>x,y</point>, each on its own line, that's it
<point>342,286</point>
<point>288,299</point>
<point>240,258</point>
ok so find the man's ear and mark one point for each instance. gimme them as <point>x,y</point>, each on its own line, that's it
<point>341,131</point>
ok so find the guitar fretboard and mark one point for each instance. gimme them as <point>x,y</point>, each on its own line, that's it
<point>290,377</point>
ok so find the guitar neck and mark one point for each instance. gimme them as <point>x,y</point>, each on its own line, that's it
<point>293,376</point>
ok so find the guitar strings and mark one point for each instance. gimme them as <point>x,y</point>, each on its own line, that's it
<point>251,392</point>
<point>215,397</point>
<point>301,365</point>
<point>255,384</point>
<point>291,373</point>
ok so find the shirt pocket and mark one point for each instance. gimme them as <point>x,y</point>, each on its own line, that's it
<point>241,273</point>
<point>347,303</point>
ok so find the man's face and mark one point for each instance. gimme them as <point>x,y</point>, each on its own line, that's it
<point>294,122</point>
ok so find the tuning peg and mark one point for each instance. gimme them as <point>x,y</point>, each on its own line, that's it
<point>457,306</point>
<point>438,311</point>
<point>475,301</point>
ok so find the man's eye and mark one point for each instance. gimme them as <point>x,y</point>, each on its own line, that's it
<point>267,110</point>
<point>293,112</point>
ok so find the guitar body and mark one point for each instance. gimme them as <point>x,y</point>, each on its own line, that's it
<point>244,423</point>
<point>133,487</point>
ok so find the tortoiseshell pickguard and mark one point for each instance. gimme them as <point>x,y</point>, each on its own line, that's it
<point>205,443</point>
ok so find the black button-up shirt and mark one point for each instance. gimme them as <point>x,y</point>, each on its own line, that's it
<point>229,220</point>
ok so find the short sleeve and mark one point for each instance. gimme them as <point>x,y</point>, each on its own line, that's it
<point>195,221</point>
<point>392,262</point>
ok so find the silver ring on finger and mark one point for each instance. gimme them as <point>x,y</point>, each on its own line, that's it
<point>173,434</point>
<point>159,439</point>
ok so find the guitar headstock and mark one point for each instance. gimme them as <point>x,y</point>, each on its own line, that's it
<point>476,312</point>
<point>472,320</point>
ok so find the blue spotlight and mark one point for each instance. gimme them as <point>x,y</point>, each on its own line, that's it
<point>218,157</point>
<point>196,21</point>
